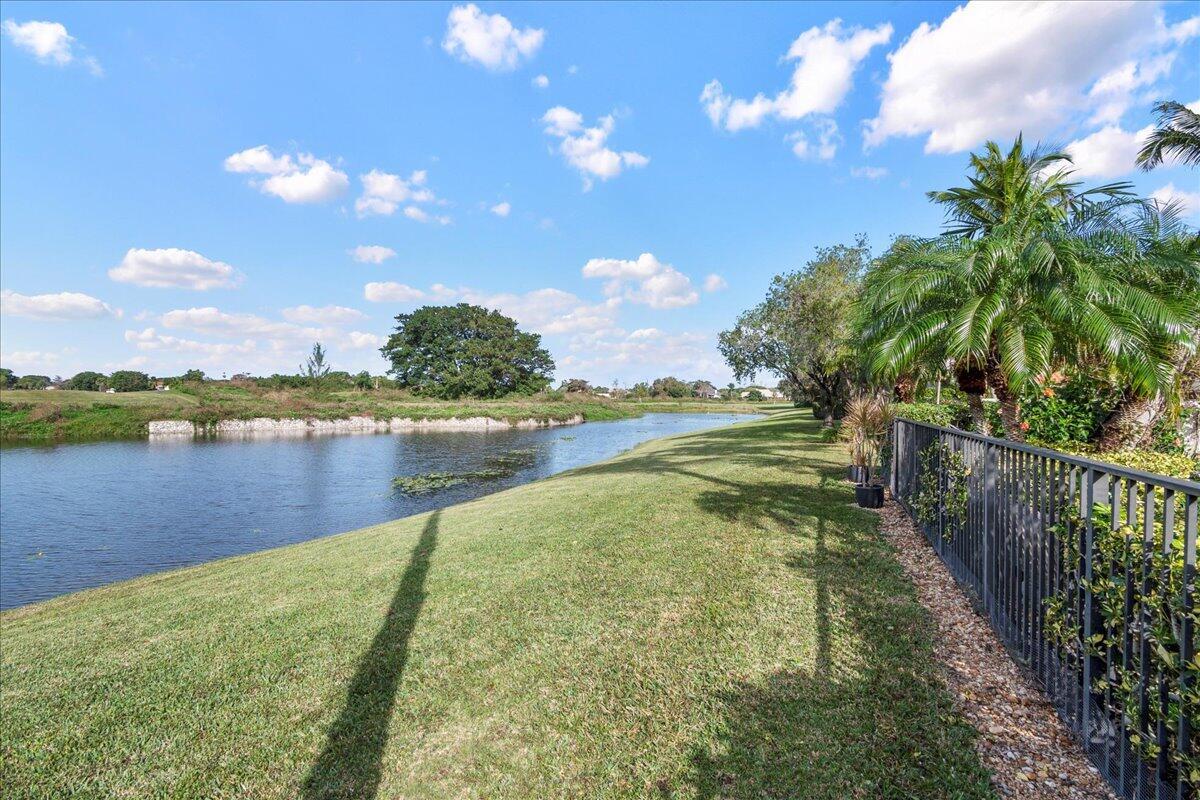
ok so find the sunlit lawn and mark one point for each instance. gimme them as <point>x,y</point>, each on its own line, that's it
<point>705,616</point>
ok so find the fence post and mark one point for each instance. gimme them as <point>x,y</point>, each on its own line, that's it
<point>895,456</point>
<point>1097,483</point>
<point>1183,743</point>
<point>989,493</point>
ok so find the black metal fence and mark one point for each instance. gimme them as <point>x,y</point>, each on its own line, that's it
<point>1087,572</point>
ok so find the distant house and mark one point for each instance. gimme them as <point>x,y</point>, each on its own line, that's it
<point>159,386</point>
<point>705,390</point>
<point>110,391</point>
<point>768,394</point>
<point>50,388</point>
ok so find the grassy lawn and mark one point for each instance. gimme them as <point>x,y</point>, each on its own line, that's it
<point>29,414</point>
<point>705,616</point>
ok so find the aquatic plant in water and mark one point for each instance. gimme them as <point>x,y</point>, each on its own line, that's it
<point>500,466</point>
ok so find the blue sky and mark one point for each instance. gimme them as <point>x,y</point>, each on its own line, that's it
<point>188,185</point>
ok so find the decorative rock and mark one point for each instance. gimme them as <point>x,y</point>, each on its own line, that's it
<point>303,427</point>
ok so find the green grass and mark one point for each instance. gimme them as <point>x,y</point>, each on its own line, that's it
<point>708,615</point>
<point>29,414</point>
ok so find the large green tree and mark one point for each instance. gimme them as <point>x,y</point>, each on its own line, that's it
<point>1031,268</point>
<point>128,380</point>
<point>466,351</point>
<point>802,332</point>
<point>670,387</point>
<point>87,381</point>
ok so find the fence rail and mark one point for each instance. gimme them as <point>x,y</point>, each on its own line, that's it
<point>1087,572</point>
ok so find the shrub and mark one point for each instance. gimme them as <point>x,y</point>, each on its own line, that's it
<point>1155,608</point>
<point>1177,465</point>
<point>945,415</point>
<point>1068,412</point>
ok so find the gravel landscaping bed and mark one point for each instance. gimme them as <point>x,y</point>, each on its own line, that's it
<point>1029,750</point>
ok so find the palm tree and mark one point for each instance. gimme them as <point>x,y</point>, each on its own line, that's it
<point>1162,256</point>
<point>1029,270</point>
<point>1177,137</point>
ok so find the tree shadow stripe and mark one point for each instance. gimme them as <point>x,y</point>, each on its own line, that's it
<point>350,763</point>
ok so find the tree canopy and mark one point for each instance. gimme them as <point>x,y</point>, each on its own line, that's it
<point>802,332</point>
<point>32,382</point>
<point>127,380</point>
<point>466,351</point>
<point>88,381</point>
<point>1030,271</point>
<point>670,386</point>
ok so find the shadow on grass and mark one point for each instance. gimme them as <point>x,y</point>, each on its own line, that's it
<point>866,716</point>
<point>350,764</point>
<point>869,719</point>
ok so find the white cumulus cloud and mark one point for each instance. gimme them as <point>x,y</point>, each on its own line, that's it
<point>541,81</point>
<point>827,140</point>
<point>172,267</point>
<point>1108,152</point>
<point>359,340</point>
<point>489,40</point>
<point>384,192</point>
<point>1188,202</point>
<point>322,315</point>
<point>372,253</point>
<point>991,70</point>
<point>645,354</point>
<point>870,173</point>
<point>303,179</point>
<point>502,209</point>
<point>826,59</point>
<point>28,360</point>
<point>151,340</point>
<point>548,311</point>
<point>215,322</point>
<point>586,149</point>
<point>644,280</point>
<point>715,283</point>
<point>421,215</point>
<point>57,306</point>
<point>48,42</point>
<point>391,292</point>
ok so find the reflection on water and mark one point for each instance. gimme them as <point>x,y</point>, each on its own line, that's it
<point>80,515</point>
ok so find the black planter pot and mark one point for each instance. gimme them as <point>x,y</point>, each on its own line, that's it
<point>857,473</point>
<point>869,496</point>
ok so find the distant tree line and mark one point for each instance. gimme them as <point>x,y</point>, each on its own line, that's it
<point>123,380</point>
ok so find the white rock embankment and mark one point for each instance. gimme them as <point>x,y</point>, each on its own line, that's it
<point>172,427</point>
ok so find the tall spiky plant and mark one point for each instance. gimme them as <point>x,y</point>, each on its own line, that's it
<point>1177,137</point>
<point>1030,268</point>
<point>865,427</point>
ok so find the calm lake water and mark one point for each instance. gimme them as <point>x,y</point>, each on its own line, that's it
<point>75,516</point>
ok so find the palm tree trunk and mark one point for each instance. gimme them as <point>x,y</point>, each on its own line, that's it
<point>1009,408</point>
<point>972,381</point>
<point>979,420</point>
<point>1124,426</point>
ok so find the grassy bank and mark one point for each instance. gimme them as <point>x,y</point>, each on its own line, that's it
<point>707,615</point>
<point>27,414</point>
